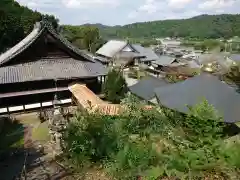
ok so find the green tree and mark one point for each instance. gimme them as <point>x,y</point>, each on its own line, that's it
<point>156,143</point>
<point>17,21</point>
<point>84,37</point>
<point>11,30</point>
<point>115,86</point>
<point>199,27</point>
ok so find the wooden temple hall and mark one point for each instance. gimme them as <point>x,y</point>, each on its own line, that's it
<point>40,68</point>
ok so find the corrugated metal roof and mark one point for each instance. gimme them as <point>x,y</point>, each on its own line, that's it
<point>50,69</point>
<point>145,87</point>
<point>91,102</point>
<point>192,91</point>
<point>148,53</point>
<point>111,48</point>
<point>164,60</point>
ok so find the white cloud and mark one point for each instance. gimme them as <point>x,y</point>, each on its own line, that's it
<point>40,4</point>
<point>149,7</point>
<point>215,4</point>
<point>89,3</point>
<point>68,3</point>
<point>132,14</point>
<point>178,4</point>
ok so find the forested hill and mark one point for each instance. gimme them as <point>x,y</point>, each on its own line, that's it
<point>204,26</point>
<point>17,21</point>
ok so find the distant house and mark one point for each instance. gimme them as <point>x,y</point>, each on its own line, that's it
<point>147,53</point>
<point>166,62</point>
<point>205,86</point>
<point>117,52</point>
<point>168,43</point>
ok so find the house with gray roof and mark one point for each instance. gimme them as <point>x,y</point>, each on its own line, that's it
<point>194,90</point>
<point>118,52</point>
<point>43,64</point>
<point>147,53</point>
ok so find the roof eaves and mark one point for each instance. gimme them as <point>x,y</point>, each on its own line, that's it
<point>68,44</point>
<point>21,48</point>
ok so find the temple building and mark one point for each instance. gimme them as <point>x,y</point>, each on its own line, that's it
<point>42,66</point>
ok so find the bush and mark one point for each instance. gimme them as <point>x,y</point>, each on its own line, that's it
<point>154,143</point>
<point>92,137</point>
<point>115,86</point>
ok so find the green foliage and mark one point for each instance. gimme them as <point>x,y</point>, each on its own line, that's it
<point>11,135</point>
<point>17,21</point>
<point>92,137</point>
<point>84,37</point>
<point>146,42</point>
<point>199,27</point>
<point>203,45</point>
<point>154,143</point>
<point>115,86</point>
<point>203,121</point>
<point>136,73</point>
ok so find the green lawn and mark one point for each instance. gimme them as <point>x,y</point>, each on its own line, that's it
<point>41,132</point>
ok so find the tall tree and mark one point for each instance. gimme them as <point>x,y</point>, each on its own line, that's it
<point>84,37</point>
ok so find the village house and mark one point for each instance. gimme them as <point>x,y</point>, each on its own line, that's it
<point>41,67</point>
<point>118,53</point>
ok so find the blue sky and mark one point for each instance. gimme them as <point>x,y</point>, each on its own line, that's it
<point>119,12</point>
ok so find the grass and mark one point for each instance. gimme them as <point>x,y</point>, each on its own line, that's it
<point>41,132</point>
<point>28,119</point>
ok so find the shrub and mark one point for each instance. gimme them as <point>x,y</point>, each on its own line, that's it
<point>115,86</point>
<point>154,143</point>
<point>88,136</point>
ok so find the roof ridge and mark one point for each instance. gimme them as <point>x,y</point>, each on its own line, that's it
<point>39,27</point>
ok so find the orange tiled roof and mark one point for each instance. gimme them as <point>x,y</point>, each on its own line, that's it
<point>85,97</point>
<point>91,102</point>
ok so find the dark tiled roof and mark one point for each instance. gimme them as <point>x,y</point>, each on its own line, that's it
<point>125,54</point>
<point>148,53</point>
<point>40,28</point>
<point>50,69</point>
<point>192,91</point>
<point>164,60</point>
<point>145,87</point>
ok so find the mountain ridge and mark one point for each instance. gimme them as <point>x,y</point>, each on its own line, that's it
<point>201,26</point>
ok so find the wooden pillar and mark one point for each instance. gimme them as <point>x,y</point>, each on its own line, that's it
<point>8,110</point>
<point>24,109</point>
